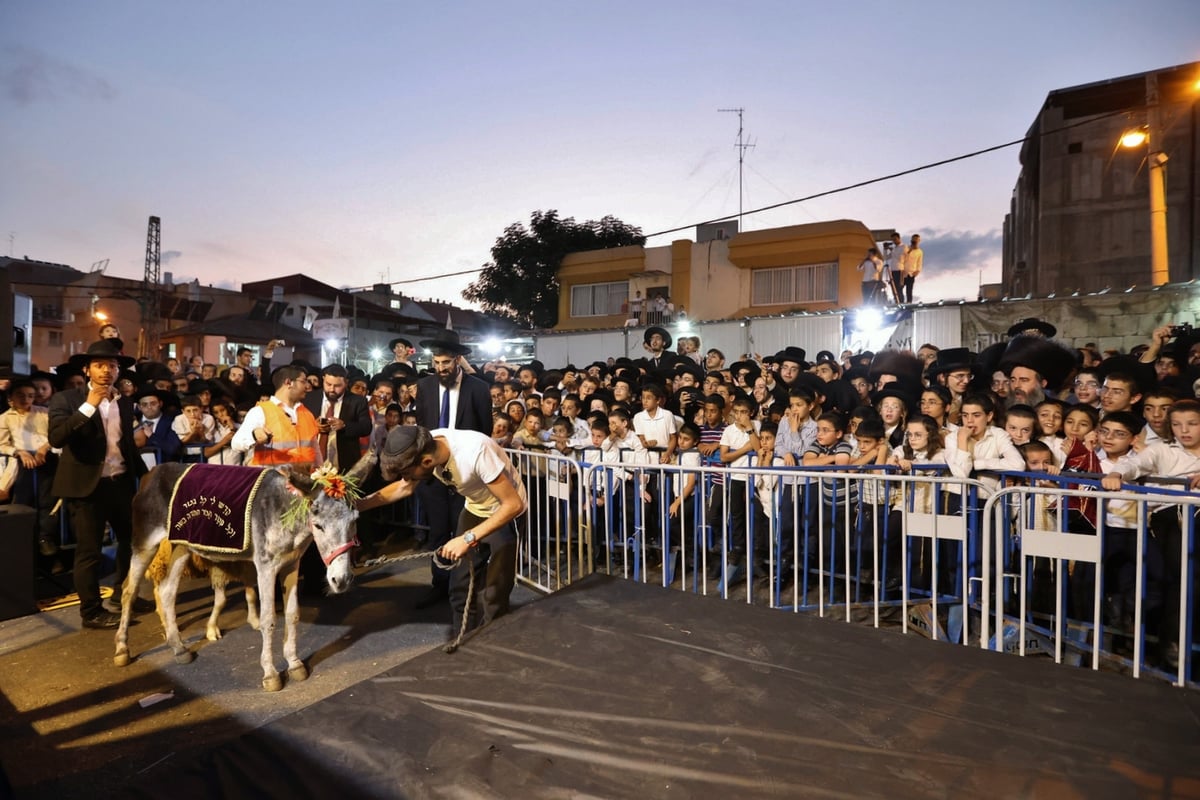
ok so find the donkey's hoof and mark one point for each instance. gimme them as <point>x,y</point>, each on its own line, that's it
<point>212,634</point>
<point>121,659</point>
<point>298,673</point>
<point>272,684</point>
<point>185,657</point>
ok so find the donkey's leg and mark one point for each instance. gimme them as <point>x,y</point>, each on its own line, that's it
<point>168,591</point>
<point>219,579</point>
<point>252,605</point>
<point>137,566</point>
<point>266,625</point>
<point>290,576</point>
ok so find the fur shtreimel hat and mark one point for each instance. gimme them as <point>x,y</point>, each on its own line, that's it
<point>900,363</point>
<point>1051,359</point>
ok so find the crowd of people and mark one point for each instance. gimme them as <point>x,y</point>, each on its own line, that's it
<point>1030,403</point>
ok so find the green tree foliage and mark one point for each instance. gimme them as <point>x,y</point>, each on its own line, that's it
<point>520,283</point>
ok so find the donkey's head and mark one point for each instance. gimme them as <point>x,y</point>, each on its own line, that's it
<point>329,499</point>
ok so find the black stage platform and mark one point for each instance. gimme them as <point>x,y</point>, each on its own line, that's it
<point>613,689</point>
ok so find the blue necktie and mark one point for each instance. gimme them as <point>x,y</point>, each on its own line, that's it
<point>444,419</point>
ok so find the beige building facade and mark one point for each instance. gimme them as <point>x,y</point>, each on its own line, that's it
<point>810,267</point>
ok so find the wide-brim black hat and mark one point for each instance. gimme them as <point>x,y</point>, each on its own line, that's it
<point>905,389</point>
<point>447,342</point>
<point>900,363</point>
<point>661,331</point>
<point>794,354</point>
<point>811,382</point>
<point>951,359</point>
<point>398,370</point>
<point>196,387</point>
<point>1033,324</point>
<point>102,350</point>
<point>752,368</point>
<point>1051,359</point>
<point>689,367</point>
<point>148,390</point>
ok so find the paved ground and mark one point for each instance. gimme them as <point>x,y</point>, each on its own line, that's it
<point>71,723</point>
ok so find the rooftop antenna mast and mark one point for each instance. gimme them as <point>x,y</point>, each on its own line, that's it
<point>151,280</point>
<point>741,146</point>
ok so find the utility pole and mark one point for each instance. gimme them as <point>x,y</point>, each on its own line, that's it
<point>151,281</point>
<point>741,148</point>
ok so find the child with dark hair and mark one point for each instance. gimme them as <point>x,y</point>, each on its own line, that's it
<point>738,442</point>
<point>1020,424</point>
<point>1050,414</point>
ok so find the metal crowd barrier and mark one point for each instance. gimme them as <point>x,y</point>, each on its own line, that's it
<point>1092,576</point>
<point>954,559</point>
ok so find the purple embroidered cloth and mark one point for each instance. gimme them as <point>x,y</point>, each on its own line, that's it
<point>210,507</point>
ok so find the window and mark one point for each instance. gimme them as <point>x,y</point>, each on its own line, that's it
<point>54,338</point>
<point>599,299</point>
<point>810,283</point>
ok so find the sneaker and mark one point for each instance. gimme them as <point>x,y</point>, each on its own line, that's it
<point>102,619</point>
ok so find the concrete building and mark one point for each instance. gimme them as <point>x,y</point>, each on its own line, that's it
<point>720,276</point>
<point>1080,213</point>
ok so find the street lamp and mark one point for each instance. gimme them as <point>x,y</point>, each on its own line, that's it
<point>1156,161</point>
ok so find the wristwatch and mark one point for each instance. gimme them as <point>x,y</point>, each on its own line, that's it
<point>469,538</point>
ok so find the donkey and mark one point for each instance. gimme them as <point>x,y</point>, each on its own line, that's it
<point>219,576</point>
<point>287,512</point>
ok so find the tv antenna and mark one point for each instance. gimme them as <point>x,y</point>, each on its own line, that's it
<point>741,146</point>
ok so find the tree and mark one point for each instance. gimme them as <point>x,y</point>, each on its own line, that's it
<point>520,283</point>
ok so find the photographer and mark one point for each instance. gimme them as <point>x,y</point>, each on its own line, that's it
<point>1169,356</point>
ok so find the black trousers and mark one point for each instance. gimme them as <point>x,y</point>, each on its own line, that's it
<point>34,487</point>
<point>494,563</point>
<point>442,506</point>
<point>112,504</point>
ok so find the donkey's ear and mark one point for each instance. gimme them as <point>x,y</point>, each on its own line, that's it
<point>300,480</point>
<point>358,473</point>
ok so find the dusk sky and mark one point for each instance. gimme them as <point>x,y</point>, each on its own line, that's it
<point>360,142</point>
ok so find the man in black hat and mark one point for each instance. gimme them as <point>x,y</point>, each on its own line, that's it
<point>1036,367</point>
<point>953,367</point>
<point>97,471</point>
<point>449,399</point>
<point>656,340</point>
<point>792,362</point>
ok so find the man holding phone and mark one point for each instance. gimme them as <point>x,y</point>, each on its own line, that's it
<point>342,417</point>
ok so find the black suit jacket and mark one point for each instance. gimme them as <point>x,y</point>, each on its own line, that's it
<point>474,404</point>
<point>358,424</point>
<point>84,444</point>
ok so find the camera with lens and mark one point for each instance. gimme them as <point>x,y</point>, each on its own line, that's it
<point>1182,329</point>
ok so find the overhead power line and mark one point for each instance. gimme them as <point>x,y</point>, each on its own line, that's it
<point>828,192</point>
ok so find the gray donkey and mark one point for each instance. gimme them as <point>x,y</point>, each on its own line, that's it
<point>285,510</point>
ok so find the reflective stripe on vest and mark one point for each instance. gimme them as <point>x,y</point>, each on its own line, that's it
<point>290,444</point>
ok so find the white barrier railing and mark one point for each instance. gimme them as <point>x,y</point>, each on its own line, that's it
<point>930,552</point>
<point>1076,533</point>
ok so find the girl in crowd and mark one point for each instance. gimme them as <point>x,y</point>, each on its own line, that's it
<point>1079,423</point>
<point>935,401</point>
